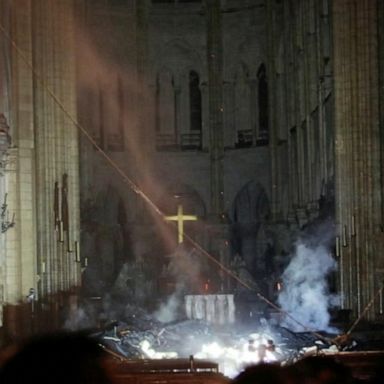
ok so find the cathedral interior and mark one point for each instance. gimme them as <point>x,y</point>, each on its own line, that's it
<point>157,149</point>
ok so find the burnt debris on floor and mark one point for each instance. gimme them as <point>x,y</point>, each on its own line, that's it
<point>232,346</point>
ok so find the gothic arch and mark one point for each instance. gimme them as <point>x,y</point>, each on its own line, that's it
<point>250,204</point>
<point>183,112</point>
<point>105,239</point>
<point>185,194</point>
<point>248,229</point>
<point>249,56</point>
<point>180,57</point>
<point>240,66</point>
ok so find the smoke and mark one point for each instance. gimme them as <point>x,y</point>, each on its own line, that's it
<point>305,294</point>
<point>79,319</point>
<point>94,312</point>
<point>184,269</point>
<point>168,311</point>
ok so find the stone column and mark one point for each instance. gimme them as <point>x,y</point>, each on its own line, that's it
<point>144,136</point>
<point>254,109</point>
<point>183,114</point>
<point>178,112</point>
<point>144,130</point>
<point>44,147</point>
<point>56,146</point>
<point>19,254</point>
<point>357,150</point>
<point>215,80</point>
<point>322,176</point>
<point>205,115</point>
<point>308,101</point>
<point>271,73</point>
<point>69,136</point>
<point>288,89</point>
<point>4,108</point>
<point>229,116</point>
<point>380,260</point>
<point>20,240</point>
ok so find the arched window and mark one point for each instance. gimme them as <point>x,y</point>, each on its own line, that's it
<point>194,101</point>
<point>165,111</point>
<point>263,136</point>
<point>191,140</point>
<point>242,109</point>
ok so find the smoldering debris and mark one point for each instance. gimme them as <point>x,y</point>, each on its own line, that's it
<point>139,335</point>
<point>160,341</point>
<point>232,347</point>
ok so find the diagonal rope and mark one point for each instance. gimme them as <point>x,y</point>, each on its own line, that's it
<point>142,194</point>
<point>366,309</point>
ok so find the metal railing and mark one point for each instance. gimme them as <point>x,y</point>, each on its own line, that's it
<point>188,141</point>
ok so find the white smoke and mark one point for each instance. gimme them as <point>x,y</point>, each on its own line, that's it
<point>185,270</point>
<point>78,319</point>
<point>168,311</point>
<point>305,295</point>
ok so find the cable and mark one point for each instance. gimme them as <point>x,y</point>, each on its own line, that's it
<point>369,305</point>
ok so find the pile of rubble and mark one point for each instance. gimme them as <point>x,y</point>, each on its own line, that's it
<point>138,335</point>
<point>231,346</point>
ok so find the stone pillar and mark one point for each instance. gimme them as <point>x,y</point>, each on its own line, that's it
<point>254,109</point>
<point>271,73</point>
<point>19,252</point>
<point>322,166</point>
<point>144,136</point>
<point>20,240</point>
<point>229,115</point>
<point>184,111</point>
<point>56,149</point>
<point>4,108</point>
<point>178,112</point>
<point>307,135</point>
<point>289,100</point>
<point>215,84</point>
<point>70,137</point>
<point>380,260</point>
<point>144,130</point>
<point>205,116</point>
<point>357,151</point>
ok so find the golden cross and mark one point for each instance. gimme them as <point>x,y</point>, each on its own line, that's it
<point>180,218</point>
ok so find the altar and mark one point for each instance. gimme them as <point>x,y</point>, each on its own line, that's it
<point>213,308</point>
